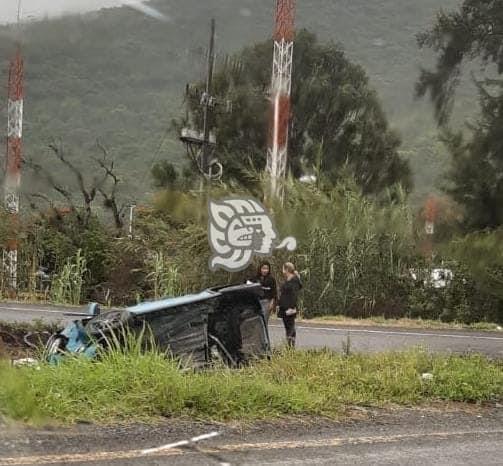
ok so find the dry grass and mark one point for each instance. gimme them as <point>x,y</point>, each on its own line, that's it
<point>403,323</point>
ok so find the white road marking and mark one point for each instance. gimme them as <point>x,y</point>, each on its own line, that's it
<point>391,332</point>
<point>181,443</point>
<point>316,461</point>
<point>301,327</point>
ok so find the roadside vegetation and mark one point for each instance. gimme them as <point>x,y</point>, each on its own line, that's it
<point>360,239</point>
<point>355,257</point>
<point>131,385</point>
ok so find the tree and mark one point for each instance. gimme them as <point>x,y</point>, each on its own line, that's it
<point>474,33</point>
<point>109,194</point>
<point>337,120</point>
<point>105,183</point>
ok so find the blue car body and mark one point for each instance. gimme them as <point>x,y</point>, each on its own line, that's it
<point>224,323</point>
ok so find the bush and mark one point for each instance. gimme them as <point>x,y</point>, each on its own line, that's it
<point>461,301</point>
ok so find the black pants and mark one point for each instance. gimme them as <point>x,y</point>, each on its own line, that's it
<point>291,332</point>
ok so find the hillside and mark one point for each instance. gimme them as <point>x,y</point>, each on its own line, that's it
<point>119,76</point>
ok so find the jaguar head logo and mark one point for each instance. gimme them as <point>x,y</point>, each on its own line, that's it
<point>239,229</point>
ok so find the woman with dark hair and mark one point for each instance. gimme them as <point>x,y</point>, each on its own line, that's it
<point>268,283</point>
<point>288,298</point>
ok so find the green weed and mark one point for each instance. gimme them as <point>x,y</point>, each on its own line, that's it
<point>132,384</point>
<point>67,286</point>
<point>164,277</point>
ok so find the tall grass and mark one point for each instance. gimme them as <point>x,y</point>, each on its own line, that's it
<point>354,251</point>
<point>137,385</point>
<point>67,285</point>
<point>164,276</point>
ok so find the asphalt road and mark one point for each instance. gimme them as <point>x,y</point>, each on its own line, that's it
<point>369,437</point>
<point>360,339</point>
<point>407,437</point>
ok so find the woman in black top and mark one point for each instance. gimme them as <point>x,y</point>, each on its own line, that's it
<point>265,278</point>
<point>288,301</point>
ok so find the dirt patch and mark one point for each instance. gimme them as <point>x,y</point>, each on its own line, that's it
<point>16,340</point>
<point>11,343</point>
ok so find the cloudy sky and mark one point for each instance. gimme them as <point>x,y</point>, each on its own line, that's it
<point>40,8</point>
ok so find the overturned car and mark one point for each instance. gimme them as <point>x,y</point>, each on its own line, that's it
<point>219,324</point>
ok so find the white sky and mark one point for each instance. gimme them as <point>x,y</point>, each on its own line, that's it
<point>40,8</point>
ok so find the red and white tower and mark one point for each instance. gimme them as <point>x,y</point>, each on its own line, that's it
<point>281,85</point>
<point>13,160</point>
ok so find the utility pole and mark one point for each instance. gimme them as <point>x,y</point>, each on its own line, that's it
<point>208,101</point>
<point>200,144</point>
<point>12,182</point>
<point>281,86</point>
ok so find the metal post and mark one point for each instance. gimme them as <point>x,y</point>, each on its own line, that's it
<point>430,212</point>
<point>131,219</point>
<point>12,181</point>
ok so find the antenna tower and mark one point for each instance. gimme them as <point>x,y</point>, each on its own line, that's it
<point>281,85</point>
<point>12,181</point>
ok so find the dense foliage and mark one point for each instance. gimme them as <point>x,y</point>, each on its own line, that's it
<point>473,34</point>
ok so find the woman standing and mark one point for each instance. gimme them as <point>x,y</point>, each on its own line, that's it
<point>268,283</point>
<point>288,301</point>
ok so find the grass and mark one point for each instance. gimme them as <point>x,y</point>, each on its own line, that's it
<point>134,386</point>
<point>380,321</point>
